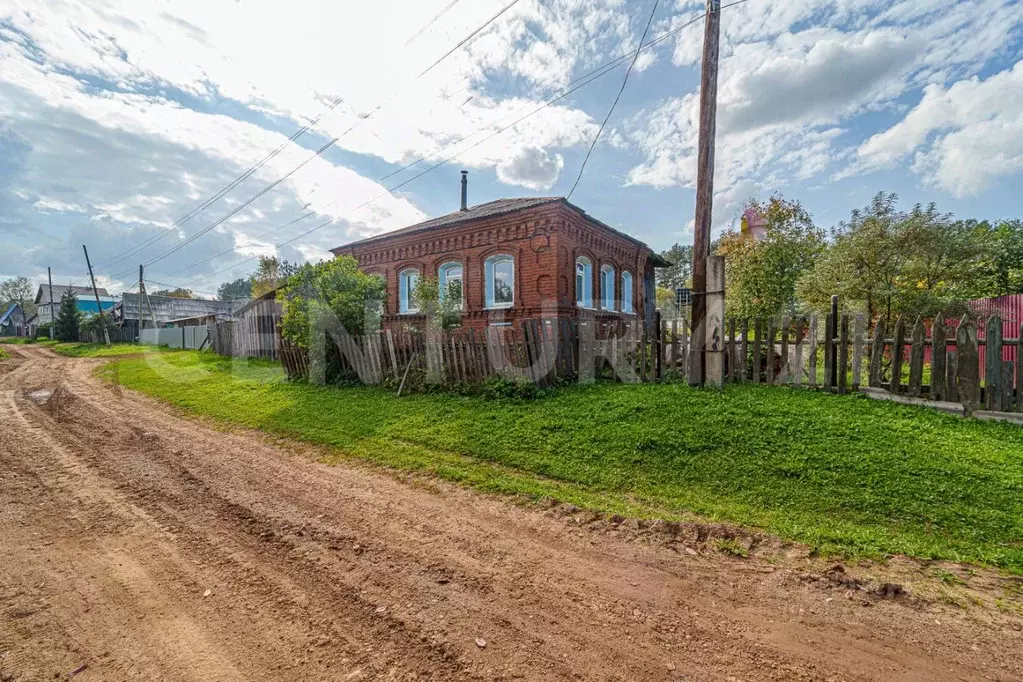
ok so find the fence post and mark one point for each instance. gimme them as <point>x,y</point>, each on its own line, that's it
<point>939,351</point>
<point>830,356</point>
<point>713,342</point>
<point>843,355</point>
<point>916,359</point>
<point>659,345</point>
<point>992,362</point>
<point>898,353</point>
<point>876,355</point>
<point>968,365</point>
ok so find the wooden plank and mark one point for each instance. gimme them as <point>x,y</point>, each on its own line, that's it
<point>393,356</point>
<point>829,352</point>
<point>916,359</point>
<point>730,352</point>
<point>529,343</point>
<point>842,352</point>
<point>951,374</point>
<point>744,351</point>
<point>784,370</point>
<point>968,365</point>
<point>898,355</point>
<point>876,355</point>
<point>769,350</point>
<point>797,369</point>
<point>660,329</point>
<point>811,365</point>
<point>758,340</point>
<point>939,352</point>
<point>643,350</point>
<point>673,351</point>
<point>1008,372</point>
<point>859,345</point>
<point>1019,369</point>
<point>993,363</point>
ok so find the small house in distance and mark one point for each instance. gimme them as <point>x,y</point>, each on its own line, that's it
<point>12,321</point>
<point>513,259</point>
<point>49,309</point>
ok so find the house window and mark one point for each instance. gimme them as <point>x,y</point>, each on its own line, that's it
<point>627,292</point>
<point>583,282</point>
<point>450,278</point>
<point>407,281</point>
<point>607,287</point>
<point>500,276</point>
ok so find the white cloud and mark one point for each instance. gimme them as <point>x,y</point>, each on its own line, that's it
<point>963,138</point>
<point>533,168</point>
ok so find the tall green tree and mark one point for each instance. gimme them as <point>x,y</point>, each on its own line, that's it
<point>1001,269</point>
<point>271,273</point>
<point>238,290</point>
<point>761,275</point>
<point>18,290</point>
<point>175,293</point>
<point>889,263</point>
<point>69,319</point>
<point>680,272</point>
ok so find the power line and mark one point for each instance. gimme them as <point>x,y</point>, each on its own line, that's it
<point>614,104</point>
<point>220,194</point>
<point>431,22</point>
<point>326,146</point>
<point>580,82</point>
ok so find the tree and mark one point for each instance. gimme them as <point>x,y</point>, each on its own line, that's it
<point>761,275</point>
<point>354,297</point>
<point>442,311</point>
<point>680,272</point>
<point>271,273</point>
<point>18,290</point>
<point>66,327</point>
<point>174,293</point>
<point>1001,268</point>
<point>93,325</point>
<point>888,263</point>
<point>238,290</point>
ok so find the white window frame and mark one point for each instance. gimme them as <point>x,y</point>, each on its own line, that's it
<point>628,284</point>
<point>443,278</point>
<point>406,289</point>
<point>489,270</point>
<point>607,287</point>
<point>585,300</point>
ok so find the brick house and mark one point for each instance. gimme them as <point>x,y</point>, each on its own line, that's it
<point>513,259</point>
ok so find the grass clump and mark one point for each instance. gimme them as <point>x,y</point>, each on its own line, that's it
<point>844,474</point>
<point>731,547</point>
<point>100,350</point>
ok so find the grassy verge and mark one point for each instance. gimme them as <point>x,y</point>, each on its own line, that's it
<point>4,354</point>
<point>99,350</point>
<point>845,474</point>
<point>16,340</point>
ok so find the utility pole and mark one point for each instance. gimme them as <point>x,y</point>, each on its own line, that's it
<point>138,334</point>
<point>49,279</point>
<point>95,291</point>
<point>704,190</point>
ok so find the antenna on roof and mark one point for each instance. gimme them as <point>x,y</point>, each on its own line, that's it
<point>465,190</point>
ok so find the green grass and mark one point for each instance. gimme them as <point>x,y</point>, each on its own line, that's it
<point>4,354</point>
<point>17,340</point>
<point>99,350</point>
<point>845,474</point>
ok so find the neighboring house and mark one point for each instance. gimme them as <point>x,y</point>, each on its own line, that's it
<point>167,309</point>
<point>12,322</point>
<point>514,259</point>
<point>48,310</point>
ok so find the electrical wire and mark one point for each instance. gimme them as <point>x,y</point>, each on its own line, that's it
<point>614,104</point>
<point>581,82</point>
<point>431,22</point>
<point>325,147</point>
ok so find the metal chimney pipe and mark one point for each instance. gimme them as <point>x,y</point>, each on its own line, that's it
<point>465,190</point>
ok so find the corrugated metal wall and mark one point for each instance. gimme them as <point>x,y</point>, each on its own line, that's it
<point>1010,309</point>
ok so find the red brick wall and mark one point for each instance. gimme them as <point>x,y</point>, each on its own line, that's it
<point>544,241</point>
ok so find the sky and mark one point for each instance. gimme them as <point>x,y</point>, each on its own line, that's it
<point>119,119</point>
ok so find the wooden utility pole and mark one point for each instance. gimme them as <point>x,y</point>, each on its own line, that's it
<point>95,291</point>
<point>49,279</point>
<point>704,190</point>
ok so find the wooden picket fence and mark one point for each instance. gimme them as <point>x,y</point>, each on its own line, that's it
<point>926,360</point>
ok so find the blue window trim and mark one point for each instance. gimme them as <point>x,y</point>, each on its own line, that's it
<point>607,287</point>
<point>442,278</point>
<point>627,292</point>
<point>488,275</point>
<point>403,290</point>
<point>584,298</point>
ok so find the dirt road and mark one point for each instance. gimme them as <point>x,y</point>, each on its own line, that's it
<point>137,544</point>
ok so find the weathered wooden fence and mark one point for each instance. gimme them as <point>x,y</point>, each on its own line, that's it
<point>923,360</point>
<point>254,333</point>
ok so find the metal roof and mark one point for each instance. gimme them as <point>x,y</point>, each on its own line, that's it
<point>489,210</point>
<point>43,294</point>
<point>10,313</point>
<point>167,308</point>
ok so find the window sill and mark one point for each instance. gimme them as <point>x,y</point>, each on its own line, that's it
<point>503,306</point>
<point>409,312</point>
